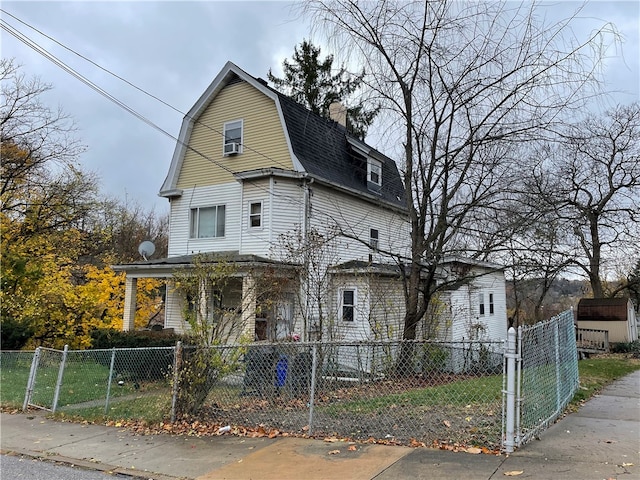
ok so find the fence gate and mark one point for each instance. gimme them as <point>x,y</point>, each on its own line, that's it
<point>45,379</point>
<point>541,367</point>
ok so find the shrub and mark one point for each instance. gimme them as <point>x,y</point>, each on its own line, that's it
<point>627,347</point>
<point>15,334</point>
<point>106,338</point>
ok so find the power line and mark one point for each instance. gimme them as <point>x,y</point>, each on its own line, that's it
<point>56,61</point>
<point>49,56</point>
<point>124,80</point>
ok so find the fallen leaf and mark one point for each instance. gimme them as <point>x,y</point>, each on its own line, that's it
<point>514,473</point>
<point>331,439</point>
<point>334,452</point>
<point>474,450</point>
<point>352,448</point>
<point>447,423</point>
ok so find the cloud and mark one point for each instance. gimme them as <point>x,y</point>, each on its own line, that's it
<point>173,50</point>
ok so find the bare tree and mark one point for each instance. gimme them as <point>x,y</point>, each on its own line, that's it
<point>592,184</point>
<point>462,83</point>
<point>313,253</point>
<point>34,137</point>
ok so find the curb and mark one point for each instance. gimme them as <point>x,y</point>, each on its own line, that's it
<point>89,465</point>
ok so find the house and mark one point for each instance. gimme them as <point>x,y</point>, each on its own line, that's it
<point>312,219</point>
<point>616,315</point>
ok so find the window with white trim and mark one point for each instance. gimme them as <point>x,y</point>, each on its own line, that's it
<point>232,137</point>
<point>481,302</point>
<point>207,222</point>
<point>255,215</point>
<point>491,309</point>
<point>348,304</point>
<point>374,237</point>
<point>374,171</point>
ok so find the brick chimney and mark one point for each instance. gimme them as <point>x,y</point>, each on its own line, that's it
<point>338,113</point>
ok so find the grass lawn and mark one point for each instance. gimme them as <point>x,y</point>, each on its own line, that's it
<point>82,382</point>
<point>598,372</point>
<point>481,390</point>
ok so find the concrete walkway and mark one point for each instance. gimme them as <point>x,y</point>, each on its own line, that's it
<point>601,441</point>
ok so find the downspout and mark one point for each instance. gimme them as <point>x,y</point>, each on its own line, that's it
<point>271,209</point>
<point>306,219</point>
<point>242,224</point>
<point>306,210</point>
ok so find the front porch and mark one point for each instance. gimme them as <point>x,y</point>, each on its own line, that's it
<point>238,296</point>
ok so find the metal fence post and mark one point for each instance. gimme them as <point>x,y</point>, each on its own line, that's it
<point>113,358</point>
<point>312,392</point>
<point>56,395</point>
<point>177,357</point>
<point>510,393</point>
<point>556,341</point>
<point>519,385</point>
<point>31,383</point>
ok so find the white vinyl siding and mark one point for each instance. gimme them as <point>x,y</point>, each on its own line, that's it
<point>180,240</point>
<point>282,207</point>
<point>357,217</point>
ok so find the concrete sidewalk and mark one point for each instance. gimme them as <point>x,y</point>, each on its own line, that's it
<point>601,441</point>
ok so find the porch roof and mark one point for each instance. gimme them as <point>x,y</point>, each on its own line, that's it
<point>164,267</point>
<point>358,266</point>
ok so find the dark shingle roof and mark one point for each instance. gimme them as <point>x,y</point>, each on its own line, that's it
<point>323,148</point>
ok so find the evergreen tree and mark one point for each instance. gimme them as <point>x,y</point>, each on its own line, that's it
<point>308,80</point>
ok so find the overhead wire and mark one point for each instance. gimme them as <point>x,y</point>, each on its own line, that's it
<point>134,86</point>
<point>42,51</point>
<point>56,61</point>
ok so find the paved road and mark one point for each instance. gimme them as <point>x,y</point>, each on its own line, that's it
<point>17,467</point>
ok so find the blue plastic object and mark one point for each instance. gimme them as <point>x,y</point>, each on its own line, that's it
<point>281,371</point>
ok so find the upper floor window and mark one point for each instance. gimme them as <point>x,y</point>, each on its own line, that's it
<point>481,302</point>
<point>232,137</point>
<point>348,304</point>
<point>207,222</point>
<point>374,239</point>
<point>491,309</point>
<point>374,171</point>
<point>255,215</point>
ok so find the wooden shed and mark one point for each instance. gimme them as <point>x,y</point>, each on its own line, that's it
<point>616,315</point>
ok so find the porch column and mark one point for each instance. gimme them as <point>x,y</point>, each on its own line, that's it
<point>249,306</point>
<point>130,293</point>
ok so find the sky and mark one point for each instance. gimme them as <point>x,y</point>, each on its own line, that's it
<point>173,50</point>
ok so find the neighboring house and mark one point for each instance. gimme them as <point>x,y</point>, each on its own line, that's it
<point>291,199</point>
<point>616,315</point>
<point>476,301</point>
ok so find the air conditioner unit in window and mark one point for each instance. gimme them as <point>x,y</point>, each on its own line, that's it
<point>231,148</point>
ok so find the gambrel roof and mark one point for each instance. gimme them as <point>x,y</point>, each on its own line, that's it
<point>320,148</point>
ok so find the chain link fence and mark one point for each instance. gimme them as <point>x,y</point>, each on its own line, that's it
<point>548,373</point>
<point>399,392</point>
<point>124,382</point>
<point>14,375</point>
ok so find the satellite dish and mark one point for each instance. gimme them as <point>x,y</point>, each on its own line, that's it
<point>146,249</point>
